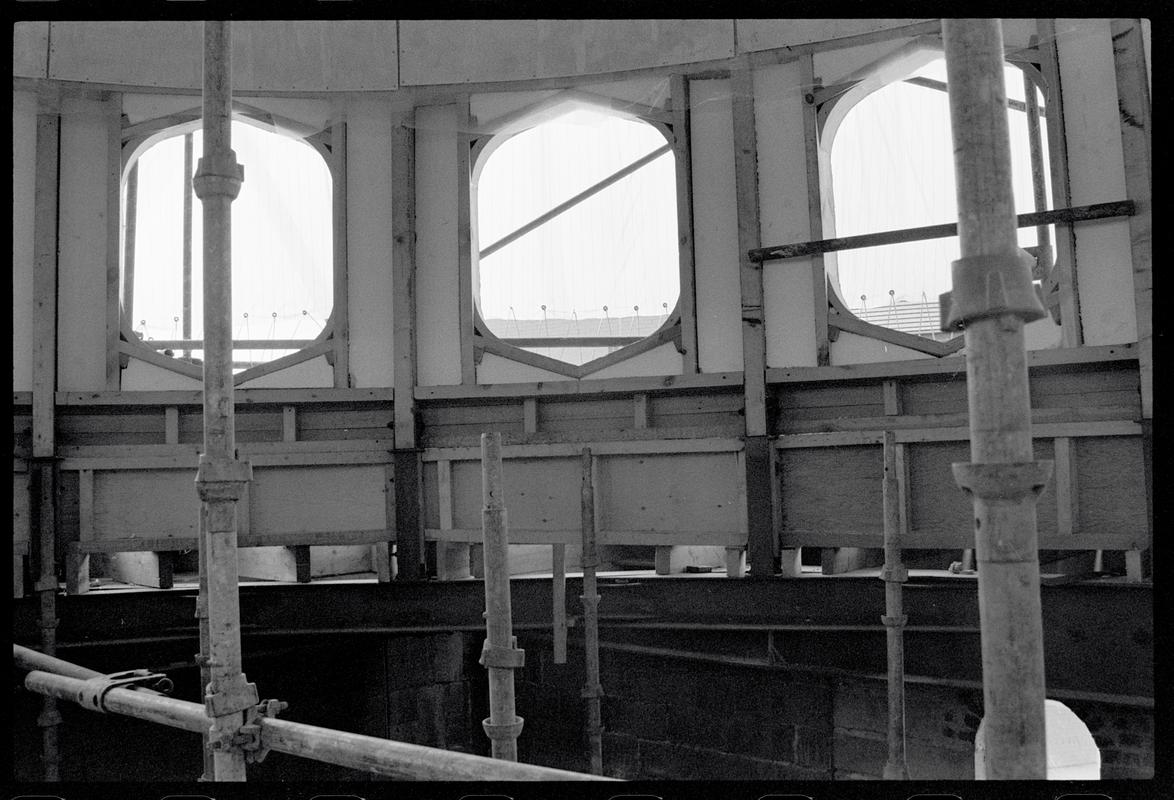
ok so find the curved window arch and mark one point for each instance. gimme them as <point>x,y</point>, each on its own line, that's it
<point>575,233</point>
<point>282,247</point>
<point>889,149</point>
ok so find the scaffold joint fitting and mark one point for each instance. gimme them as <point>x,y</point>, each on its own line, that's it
<point>1008,482</point>
<point>248,737</point>
<point>894,622</point>
<point>502,657</point>
<point>894,574</point>
<point>222,480</point>
<point>236,694</point>
<point>506,731</point>
<point>592,690</point>
<point>989,286</point>
<point>218,174</point>
<point>93,693</point>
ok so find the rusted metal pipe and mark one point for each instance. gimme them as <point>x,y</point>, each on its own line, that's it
<point>368,753</point>
<point>894,575</point>
<point>593,690</point>
<point>221,479</point>
<point>500,654</point>
<point>992,299</point>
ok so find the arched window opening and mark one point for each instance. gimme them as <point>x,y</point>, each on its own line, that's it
<point>892,167</point>
<point>576,234</point>
<point>282,247</point>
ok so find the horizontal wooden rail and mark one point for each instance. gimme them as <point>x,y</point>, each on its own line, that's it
<point>355,751</point>
<point>674,538</point>
<point>609,448</point>
<point>237,344</point>
<point>572,341</point>
<point>1123,208</point>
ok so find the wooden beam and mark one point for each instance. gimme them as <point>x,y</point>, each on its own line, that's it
<point>530,415</point>
<point>1133,97</point>
<point>341,313</point>
<point>640,410</point>
<point>403,265</point>
<point>679,87</point>
<point>819,279</point>
<point>45,278</point>
<point>409,531</point>
<point>77,560</point>
<point>171,425</point>
<point>464,240</point>
<point>1071,326</point>
<point>592,388</point>
<point>289,423</point>
<point>155,570</point>
<point>113,239</point>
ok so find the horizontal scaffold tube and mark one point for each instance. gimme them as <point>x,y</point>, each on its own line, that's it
<point>379,756</point>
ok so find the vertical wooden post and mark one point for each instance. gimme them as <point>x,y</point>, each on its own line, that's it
<point>113,238</point>
<point>760,535</point>
<point>408,490</point>
<point>222,478</point>
<point>894,575</point>
<point>558,593</point>
<point>1133,97</point>
<point>819,279</point>
<point>128,248</point>
<point>1071,331</point>
<point>992,299</point>
<point>340,317</point>
<point>465,225</point>
<point>44,468</point>
<point>500,654</point>
<point>186,314</point>
<point>679,86</point>
<point>593,691</point>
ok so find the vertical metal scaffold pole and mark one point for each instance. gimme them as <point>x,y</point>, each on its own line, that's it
<point>894,575</point>
<point>992,299</point>
<point>500,653</point>
<point>221,478</point>
<point>593,691</point>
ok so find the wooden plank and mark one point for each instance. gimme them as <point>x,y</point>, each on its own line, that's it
<point>530,415</point>
<point>319,348</point>
<point>45,279</point>
<point>77,570</point>
<point>340,316</point>
<point>289,424</point>
<point>909,422</point>
<point>640,410</point>
<point>687,304</point>
<point>113,238</point>
<point>1067,492</point>
<point>86,505</point>
<point>833,439</point>
<point>1133,97</point>
<point>171,425</point>
<point>677,538</point>
<point>464,240</point>
<point>750,273</point>
<point>815,191</point>
<point>408,515</point>
<point>588,388</point>
<point>567,450</point>
<point>1065,268</point>
<point>559,602</point>
<point>382,553</point>
<point>140,568</point>
<point>947,539</point>
<point>955,365</point>
<point>892,396</point>
<point>759,495</point>
<point>242,397</point>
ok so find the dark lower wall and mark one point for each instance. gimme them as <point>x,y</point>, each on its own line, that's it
<point>677,718</point>
<point>665,717</point>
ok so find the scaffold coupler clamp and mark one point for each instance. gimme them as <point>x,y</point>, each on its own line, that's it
<point>502,657</point>
<point>218,174</point>
<point>233,696</point>
<point>896,573</point>
<point>250,737</point>
<point>222,479</point>
<point>989,286</point>
<point>92,694</point>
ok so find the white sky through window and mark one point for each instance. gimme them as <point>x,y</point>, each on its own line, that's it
<point>893,167</point>
<point>282,251</point>
<point>617,248</point>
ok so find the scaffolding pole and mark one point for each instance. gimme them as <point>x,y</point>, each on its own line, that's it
<point>500,653</point>
<point>992,299</point>
<point>593,691</point>
<point>52,677</point>
<point>894,575</point>
<point>221,478</point>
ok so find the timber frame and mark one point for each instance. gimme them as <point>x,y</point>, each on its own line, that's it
<point>777,430</point>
